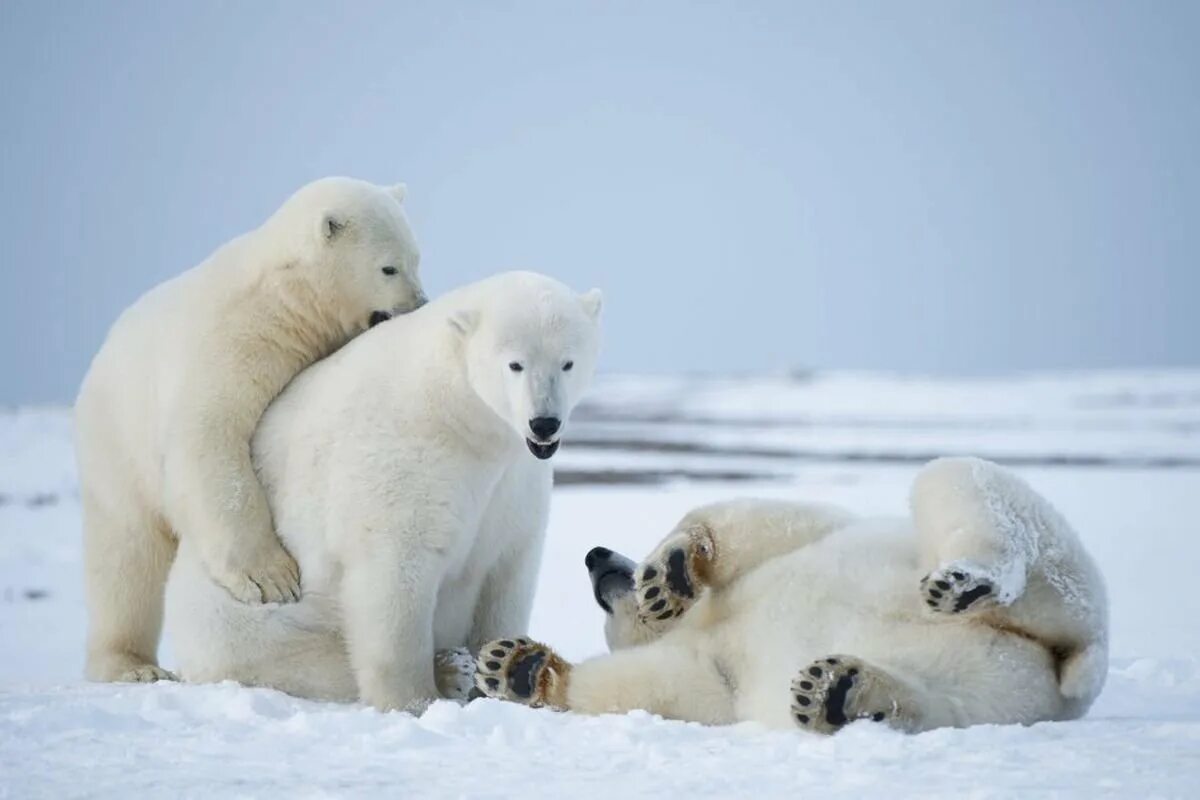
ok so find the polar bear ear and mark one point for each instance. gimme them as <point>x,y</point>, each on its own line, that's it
<point>464,322</point>
<point>399,191</point>
<point>331,227</point>
<point>593,301</point>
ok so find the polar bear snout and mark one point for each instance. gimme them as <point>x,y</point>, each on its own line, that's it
<point>544,428</point>
<point>611,574</point>
<point>419,298</point>
<point>543,444</point>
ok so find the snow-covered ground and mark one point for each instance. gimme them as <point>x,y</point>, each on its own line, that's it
<point>1119,453</point>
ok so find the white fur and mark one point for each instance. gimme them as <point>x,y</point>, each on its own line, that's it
<point>399,476</point>
<point>790,584</point>
<point>167,409</point>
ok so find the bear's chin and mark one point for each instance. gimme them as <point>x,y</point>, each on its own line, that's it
<point>542,451</point>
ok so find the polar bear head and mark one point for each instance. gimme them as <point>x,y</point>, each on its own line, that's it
<point>612,586</point>
<point>353,246</point>
<point>530,346</point>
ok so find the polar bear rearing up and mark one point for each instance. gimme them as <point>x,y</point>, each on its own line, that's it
<point>165,414</point>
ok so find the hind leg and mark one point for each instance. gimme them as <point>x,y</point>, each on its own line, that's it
<point>993,546</point>
<point>974,552</point>
<point>126,557</point>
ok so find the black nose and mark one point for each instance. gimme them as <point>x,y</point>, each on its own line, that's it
<point>594,555</point>
<point>544,427</point>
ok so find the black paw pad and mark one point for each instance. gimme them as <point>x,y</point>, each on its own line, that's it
<point>835,701</point>
<point>677,574</point>
<point>954,591</point>
<point>522,675</point>
<point>968,597</point>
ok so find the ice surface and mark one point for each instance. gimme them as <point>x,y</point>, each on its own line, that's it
<point>1131,488</point>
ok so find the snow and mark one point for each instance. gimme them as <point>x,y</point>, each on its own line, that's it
<point>1118,453</point>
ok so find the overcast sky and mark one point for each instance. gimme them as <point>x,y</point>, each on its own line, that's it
<point>915,186</point>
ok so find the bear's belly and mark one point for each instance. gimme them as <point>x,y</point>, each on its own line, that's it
<point>847,594</point>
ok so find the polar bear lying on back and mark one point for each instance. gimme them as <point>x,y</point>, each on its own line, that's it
<point>407,473</point>
<point>984,608</point>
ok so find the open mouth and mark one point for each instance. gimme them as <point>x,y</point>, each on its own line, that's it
<point>542,451</point>
<point>378,317</point>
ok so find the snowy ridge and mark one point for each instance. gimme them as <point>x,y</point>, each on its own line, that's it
<point>1117,453</point>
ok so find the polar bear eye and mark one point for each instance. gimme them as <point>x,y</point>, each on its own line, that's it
<point>515,366</point>
<point>567,366</point>
<point>390,270</point>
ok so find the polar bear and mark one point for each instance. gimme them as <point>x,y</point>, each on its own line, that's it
<point>408,474</point>
<point>166,411</point>
<point>983,607</point>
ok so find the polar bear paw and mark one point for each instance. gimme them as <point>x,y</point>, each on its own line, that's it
<point>669,582</point>
<point>835,691</point>
<point>454,673</point>
<point>264,574</point>
<point>146,673</point>
<point>522,671</point>
<point>956,588</point>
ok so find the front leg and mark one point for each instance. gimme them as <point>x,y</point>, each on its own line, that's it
<point>388,598</point>
<point>506,601</point>
<point>213,496</point>
<point>515,522</point>
<point>669,679</point>
<point>714,545</point>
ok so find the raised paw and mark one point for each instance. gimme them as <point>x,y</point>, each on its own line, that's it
<point>956,588</point>
<point>266,574</point>
<point>522,671</point>
<point>669,582</point>
<point>835,691</point>
<point>454,673</point>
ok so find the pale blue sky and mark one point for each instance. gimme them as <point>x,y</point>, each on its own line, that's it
<point>915,186</point>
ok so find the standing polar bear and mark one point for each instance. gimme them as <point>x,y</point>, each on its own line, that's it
<point>984,608</point>
<point>165,414</point>
<point>407,473</point>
